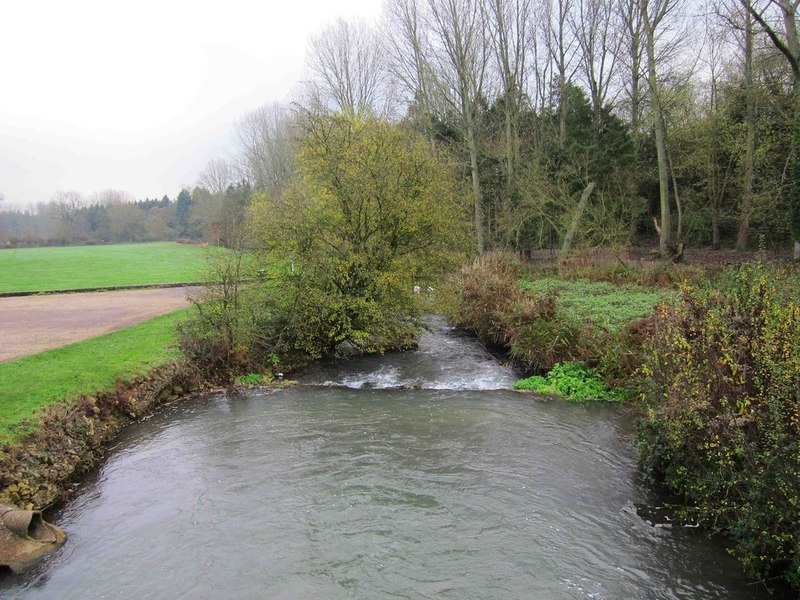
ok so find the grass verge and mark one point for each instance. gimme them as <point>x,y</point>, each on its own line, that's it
<point>77,267</point>
<point>86,367</point>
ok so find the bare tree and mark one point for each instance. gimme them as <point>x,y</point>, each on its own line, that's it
<point>217,175</point>
<point>350,70</point>
<point>110,197</point>
<point>654,15</point>
<point>66,205</point>
<point>459,60</point>
<point>632,57</point>
<point>599,39</point>
<point>266,139</point>
<point>746,208</point>
<point>508,26</point>
<point>562,48</point>
<point>410,58</point>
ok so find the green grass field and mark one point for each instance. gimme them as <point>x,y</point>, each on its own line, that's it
<point>604,304</point>
<point>76,267</point>
<point>86,367</point>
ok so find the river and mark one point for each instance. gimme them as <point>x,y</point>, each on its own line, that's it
<point>451,486</point>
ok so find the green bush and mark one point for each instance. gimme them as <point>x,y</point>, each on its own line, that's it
<point>571,380</point>
<point>722,428</point>
<point>371,215</point>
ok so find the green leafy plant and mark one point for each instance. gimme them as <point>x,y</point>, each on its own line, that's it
<point>250,379</point>
<point>573,381</point>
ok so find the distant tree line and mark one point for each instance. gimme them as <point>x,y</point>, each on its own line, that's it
<point>684,114</point>
<point>114,216</point>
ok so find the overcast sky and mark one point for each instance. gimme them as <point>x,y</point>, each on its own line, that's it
<point>138,96</point>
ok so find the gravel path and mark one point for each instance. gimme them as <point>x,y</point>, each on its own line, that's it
<point>31,324</point>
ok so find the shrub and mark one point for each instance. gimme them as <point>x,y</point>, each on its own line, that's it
<point>489,301</point>
<point>372,214</point>
<point>723,422</point>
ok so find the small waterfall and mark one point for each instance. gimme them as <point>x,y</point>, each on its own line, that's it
<point>446,359</point>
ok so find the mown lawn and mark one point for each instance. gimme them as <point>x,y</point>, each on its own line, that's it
<point>604,304</point>
<point>86,367</point>
<point>76,267</point>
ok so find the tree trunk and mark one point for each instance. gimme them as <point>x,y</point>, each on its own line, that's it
<point>635,70</point>
<point>665,238</point>
<point>749,153</point>
<point>476,186</point>
<point>576,219</point>
<point>715,241</point>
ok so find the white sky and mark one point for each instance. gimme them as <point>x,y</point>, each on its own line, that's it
<point>139,95</point>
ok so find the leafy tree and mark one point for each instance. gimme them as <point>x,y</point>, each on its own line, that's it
<point>372,215</point>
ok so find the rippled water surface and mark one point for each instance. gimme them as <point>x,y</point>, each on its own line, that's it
<point>344,488</point>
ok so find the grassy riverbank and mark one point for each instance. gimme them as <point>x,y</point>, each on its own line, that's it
<point>78,267</point>
<point>87,367</point>
<point>542,320</point>
<point>608,306</point>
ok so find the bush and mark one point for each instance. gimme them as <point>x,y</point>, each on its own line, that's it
<point>722,428</point>
<point>489,301</point>
<point>371,215</point>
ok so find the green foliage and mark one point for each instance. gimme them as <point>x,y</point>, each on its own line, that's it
<point>608,306</point>
<point>87,367</point>
<point>183,205</point>
<point>571,380</point>
<point>372,215</point>
<point>251,379</point>
<point>794,201</point>
<point>222,336</point>
<point>723,422</point>
<point>75,267</point>
<point>552,172</point>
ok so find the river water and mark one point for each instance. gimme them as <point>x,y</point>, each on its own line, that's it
<point>452,486</point>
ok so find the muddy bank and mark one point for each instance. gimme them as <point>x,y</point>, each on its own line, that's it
<point>73,437</point>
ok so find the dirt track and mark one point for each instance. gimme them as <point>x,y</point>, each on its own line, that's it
<point>34,323</point>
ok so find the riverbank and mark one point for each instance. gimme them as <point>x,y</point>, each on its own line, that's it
<point>61,407</point>
<point>70,438</point>
<point>713,371</point>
